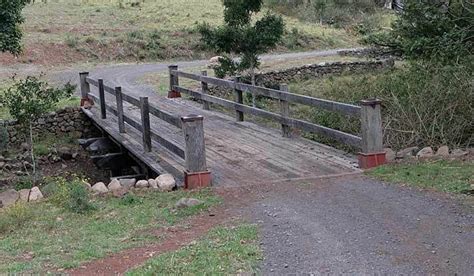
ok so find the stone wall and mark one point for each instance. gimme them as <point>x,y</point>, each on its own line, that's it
<point>69,120</point>
<point>274,78</point>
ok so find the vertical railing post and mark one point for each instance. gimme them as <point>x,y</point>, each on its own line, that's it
<point>204,90</point>
<point>146,132</point>
<point>372,154</point>
<point>85,87</point>
<point>103,111</point>
<point>285,112</point>
<point>238,95</point>
<point>196,174</point>
<point>119,99</point>
<point>174,81</point>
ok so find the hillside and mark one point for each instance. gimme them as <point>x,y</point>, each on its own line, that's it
<point>74,31</point>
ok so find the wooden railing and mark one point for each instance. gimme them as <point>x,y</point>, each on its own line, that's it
<point>369,111</point>
<point>194,151</point>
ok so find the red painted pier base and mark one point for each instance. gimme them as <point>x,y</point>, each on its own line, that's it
<point>197,180</point>
<point>371,160</point>
<point>174,94</point>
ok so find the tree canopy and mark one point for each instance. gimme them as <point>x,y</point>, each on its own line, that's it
<point>239,36</point>
<point>10,20</point>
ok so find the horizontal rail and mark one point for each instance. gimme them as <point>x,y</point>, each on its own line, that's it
<point>176,149</point>
<point>303,125</point>
<point>163,115</point>
<point>347,109</point>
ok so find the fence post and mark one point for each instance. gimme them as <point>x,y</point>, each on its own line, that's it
<point>205,90</point>
<point>103,111</point>
<point>146,132</point>
<point>285,112</point>
<point>118,97</point>
<point>85,88</point>
<point>196,174</point>
<point>372,154</point>
<point>174,81</point>
<point>239,115</point>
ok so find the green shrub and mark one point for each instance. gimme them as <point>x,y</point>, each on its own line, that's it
<point>71,195</point>
<point>423,104</point>
<point>25,182</point>
<point>14,216</point>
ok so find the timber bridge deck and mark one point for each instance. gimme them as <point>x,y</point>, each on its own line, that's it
<point>196,144</point>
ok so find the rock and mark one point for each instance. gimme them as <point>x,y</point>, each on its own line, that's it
<point>425,153</point>
<point>2,164</point>
<point>114,185</point>
<point>407,153</point>
<point>142,184</point>
<point>9,197</point>
<point>187,202</point>
<point>128,183</point>
<point>100,188</point>
<point>65,153</point>
<point>35,194</point>
<point>24,195</point>
<point>390,155</point>
<point>166,182</point>
<point>152,183</point>
<point>443,151</point>
<point>25,146</point>
<point>459,153</point>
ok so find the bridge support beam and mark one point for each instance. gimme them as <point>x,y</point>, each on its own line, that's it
<point>174,81</point>
<point>372,154</point>
<point>85,89</point>
<point>196,174</point>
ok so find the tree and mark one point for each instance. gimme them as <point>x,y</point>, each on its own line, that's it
<point>240,37</point>
<point>435,30</point>
<point>10,20</point>
<point>30,98</point>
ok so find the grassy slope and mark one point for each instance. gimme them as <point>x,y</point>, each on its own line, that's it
<point>444,176</point>
<point>104,30</point>
<point>226,251</point>
<point>55,238</point>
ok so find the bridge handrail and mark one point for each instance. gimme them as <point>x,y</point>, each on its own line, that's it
<point>369,112</point>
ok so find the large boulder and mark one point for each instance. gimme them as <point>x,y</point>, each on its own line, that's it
<point>407,153</point>
<point>390,155</point>
<point>114,185</point>
<point>153,184</point>
<point>24,195</point>
<point>65,153</point>
<point>425,153</point>
<point>100,188</point>
<point>443,151</point>
<point>9,197</point>
<point>142,184</point>
<point>457,153</point>
<point>35,194</point>
<point>166,182</point>
<point>128,182</point>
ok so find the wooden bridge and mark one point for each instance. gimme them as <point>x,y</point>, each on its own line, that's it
<point>199,145</point>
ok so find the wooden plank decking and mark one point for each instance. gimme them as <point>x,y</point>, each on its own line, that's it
<point>238,153</point>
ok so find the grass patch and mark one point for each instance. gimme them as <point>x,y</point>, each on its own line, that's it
<point>444,176</point>
<point>224,251</point>
<point>53,237</point>
<point>148,30</point>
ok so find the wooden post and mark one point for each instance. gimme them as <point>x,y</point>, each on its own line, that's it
<point>204,89</point>
<point>285,112</point>
<point>118,97</point>
<point>85,87</point>
<point>196,174</point>
<point>372,154</point>
<point>146,132</point>
<point>174,81</point>
<point>103,111</point>
<point>239,115</point>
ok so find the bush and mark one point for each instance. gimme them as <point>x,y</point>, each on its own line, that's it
<point>424,104</point>
<point>14,216</point>
<point>72,195</point>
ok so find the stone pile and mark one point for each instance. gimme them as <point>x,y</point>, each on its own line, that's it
<point>415,153</point>
<point>10,197</point>
<point>119,187</point>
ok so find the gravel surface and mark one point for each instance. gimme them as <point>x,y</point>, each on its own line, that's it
<point>361,226</point>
